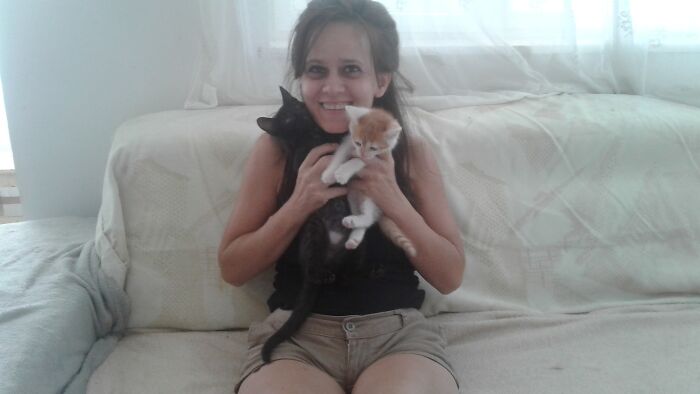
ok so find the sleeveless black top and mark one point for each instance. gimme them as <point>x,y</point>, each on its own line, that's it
<point>395,287</point>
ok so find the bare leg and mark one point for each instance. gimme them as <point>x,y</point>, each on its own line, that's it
<point>405,374</point>
<point>289,377</point>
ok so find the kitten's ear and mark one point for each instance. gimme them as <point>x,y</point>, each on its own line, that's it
<point>287,97</point>
<point>265,124</point>
<point>355,113</point>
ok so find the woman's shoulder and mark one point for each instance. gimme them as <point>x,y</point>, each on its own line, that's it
<point>422,157</point>
<point>267,146</point>
<point>417,145</point>
<point>266,161</point>
<point>267,152</point>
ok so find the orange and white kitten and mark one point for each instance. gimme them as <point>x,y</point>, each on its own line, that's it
<point>372,131</point>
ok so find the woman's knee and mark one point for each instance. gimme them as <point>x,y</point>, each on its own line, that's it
<point>405,373</point>
<point>289,377</point>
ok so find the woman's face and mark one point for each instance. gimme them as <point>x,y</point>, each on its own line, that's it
<point>339,71</point>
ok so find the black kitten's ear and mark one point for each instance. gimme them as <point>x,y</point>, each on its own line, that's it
<point>287,97</point>
<point>265,124</point>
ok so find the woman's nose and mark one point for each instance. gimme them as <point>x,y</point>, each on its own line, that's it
<point>333,84</point>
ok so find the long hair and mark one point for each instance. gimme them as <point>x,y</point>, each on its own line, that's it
<point>372,18</point>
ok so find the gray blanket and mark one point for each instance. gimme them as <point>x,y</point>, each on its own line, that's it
<point>60,316</point>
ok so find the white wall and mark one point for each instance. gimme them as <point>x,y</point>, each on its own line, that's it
<point>72,71</point>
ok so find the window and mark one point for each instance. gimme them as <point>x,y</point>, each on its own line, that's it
<point>6,161</point>
<point>10,204</point>
<point>534,23</point>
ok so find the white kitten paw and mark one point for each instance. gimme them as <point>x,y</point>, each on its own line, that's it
<point>349,222</point>
<point>327,177</point>
<point>341,177</point>
<point>352,244</point>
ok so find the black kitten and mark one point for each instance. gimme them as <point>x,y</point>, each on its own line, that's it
<point>323,257</point>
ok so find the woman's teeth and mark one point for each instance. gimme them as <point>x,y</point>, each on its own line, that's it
<point>333,106</point>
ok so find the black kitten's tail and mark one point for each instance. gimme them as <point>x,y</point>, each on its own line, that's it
<point>302,309</point>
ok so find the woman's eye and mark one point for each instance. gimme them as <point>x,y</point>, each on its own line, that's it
<point>352,69</point>
<point>315,70</point>
<point>357,143</point>
<point>373,149</point>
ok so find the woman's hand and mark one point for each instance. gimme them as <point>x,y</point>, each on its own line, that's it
<point>377,180</point>
<point>310,193</point>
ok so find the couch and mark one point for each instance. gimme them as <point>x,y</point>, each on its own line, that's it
<point>579,214</point>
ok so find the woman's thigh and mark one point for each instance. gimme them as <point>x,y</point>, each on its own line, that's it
<point>289,377</point>
<point>406,374</point>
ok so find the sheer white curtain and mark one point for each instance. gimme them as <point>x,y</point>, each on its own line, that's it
<point>473,51</point>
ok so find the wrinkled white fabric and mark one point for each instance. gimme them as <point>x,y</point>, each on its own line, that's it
<point>567,204</point>
<point>471,48</point>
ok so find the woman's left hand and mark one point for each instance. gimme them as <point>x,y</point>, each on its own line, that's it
<point>377,180</point>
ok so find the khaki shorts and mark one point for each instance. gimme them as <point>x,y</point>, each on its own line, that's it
<point>343,346</point>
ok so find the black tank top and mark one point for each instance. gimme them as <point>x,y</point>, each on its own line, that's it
<point>396,287</point>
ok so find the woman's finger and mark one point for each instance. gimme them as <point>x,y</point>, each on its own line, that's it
<point>356,184</point>
<point>320,165</point>
<point>362,173</point>
<point>334,192</point>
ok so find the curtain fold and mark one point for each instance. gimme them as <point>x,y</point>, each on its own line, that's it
<point>478,51</point>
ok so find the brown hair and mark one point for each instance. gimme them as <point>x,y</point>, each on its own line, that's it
<point>374,19</point>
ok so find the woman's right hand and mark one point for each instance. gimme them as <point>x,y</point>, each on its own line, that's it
<point>310,193</point>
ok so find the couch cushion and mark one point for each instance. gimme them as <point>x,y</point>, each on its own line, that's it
<point>172,362</point>
<point>633,350</point>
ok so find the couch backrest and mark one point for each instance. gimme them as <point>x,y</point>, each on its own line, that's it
<point>573,203</point>
<point>567,204</point>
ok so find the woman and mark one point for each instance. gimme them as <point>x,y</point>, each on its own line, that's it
<point>367,337</point>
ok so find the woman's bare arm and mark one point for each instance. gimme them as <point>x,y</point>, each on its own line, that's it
<point>257,234</point>
<point>440,259</point>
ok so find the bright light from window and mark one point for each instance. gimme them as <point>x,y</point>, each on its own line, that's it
<point>6,161</point>
<point>671,22</point>
<point>435,23</point>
